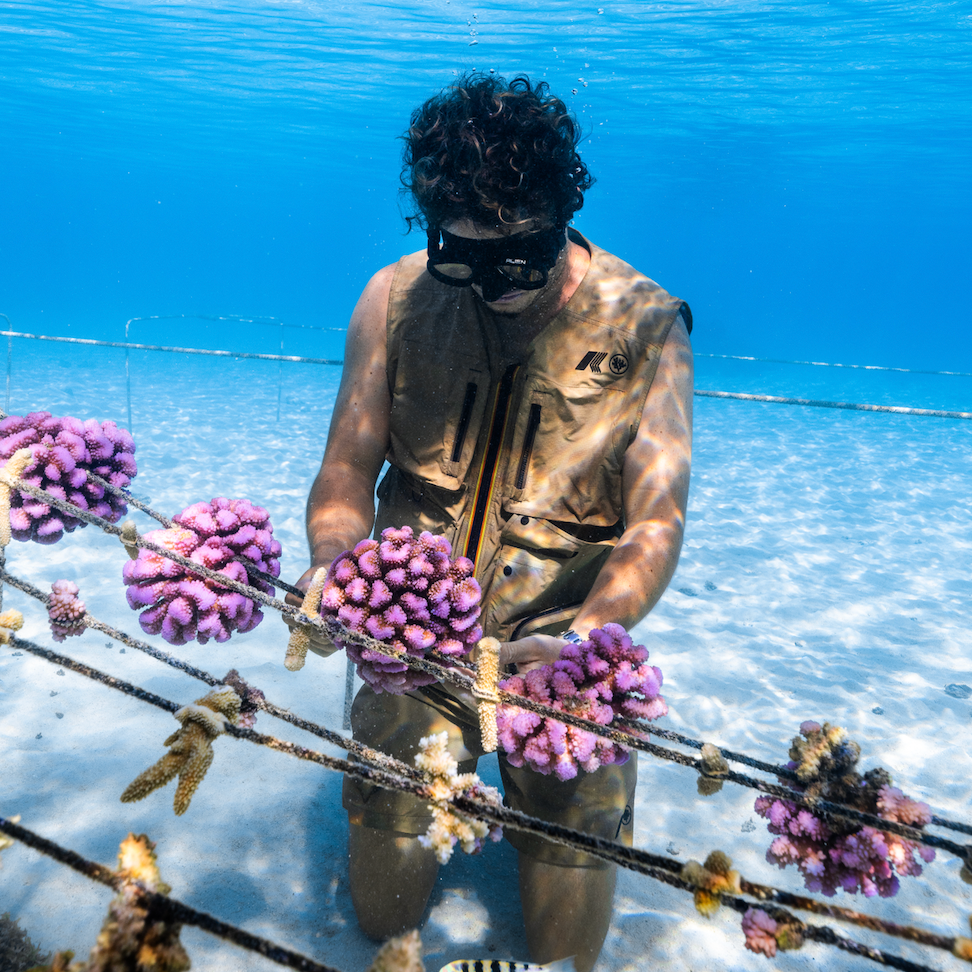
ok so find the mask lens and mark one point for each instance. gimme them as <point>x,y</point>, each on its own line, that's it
<point>523,274</point>
<point>459,272</point>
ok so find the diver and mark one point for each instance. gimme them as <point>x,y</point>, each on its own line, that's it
<point>532,395</point>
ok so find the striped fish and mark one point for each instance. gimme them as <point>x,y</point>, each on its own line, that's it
<point>497,965</point>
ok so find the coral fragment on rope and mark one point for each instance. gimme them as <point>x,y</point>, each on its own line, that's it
<point>764,934</point>
<point>605,676</point>
<point>65,610</point>
<point>710,880</point>
<point>834,853</point>
<point>485,690</point>
<point>402,954</point>
<point>62,452</point>
<point>11,620</point>
<point>300,635</point>
<point>190,748</point>
<point>449,827</point>
<point>180,605</point>
<point>409,594</point>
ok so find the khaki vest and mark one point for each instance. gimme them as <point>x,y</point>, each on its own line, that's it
<point>518,463</point>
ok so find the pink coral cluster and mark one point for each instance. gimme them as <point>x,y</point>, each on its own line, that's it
<point>842,854</point>
<point>65,610</point>
<point>64,450</point>
<point>181,605</point>
<point>408,593</point>
<point>605,676</point>
<point>760,930</point>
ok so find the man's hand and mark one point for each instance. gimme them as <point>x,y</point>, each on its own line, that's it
<point>320,644</point>
<point>531,652</point>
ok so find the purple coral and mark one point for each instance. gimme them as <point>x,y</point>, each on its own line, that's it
<point>760,930</point>
<point>408,593</point>
<point>64,450</point>
<point>65,610</point>
<point>840,854</point>
<point>181,605</point>
<point>605,676</point>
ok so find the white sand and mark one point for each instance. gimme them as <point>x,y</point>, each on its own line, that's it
<point>825,573</point>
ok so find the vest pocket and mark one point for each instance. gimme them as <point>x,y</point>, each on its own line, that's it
<point>529,437</point>
<point>463,427</point>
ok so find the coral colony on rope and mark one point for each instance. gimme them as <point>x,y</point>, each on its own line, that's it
<point>834,853</point>
<point>605,676</point>
<point>63,451</point>
<point>409,594</point>
<point>180,606</point>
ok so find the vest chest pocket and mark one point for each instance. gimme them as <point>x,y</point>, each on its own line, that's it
<point>437,409</point>
<point>567,448</point>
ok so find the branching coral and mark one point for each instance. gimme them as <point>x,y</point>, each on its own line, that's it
<point>605,676</point>
<point>834,853</point>
<point>448,827</point>
<point>180,605</point>
<point>300,636</point>
<point>65,610</point>
<point>409,594</point>
<point>63,451</point>
<point>132,938</point>
<point>710,880</point>
<point>764,934</point>
<point>11,620</point>
<point>403,954</point>
<point>250,698</point>
<point>190,748</point>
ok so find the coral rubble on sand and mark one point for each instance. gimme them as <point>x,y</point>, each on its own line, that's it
<point>181,605</point>
<point>836,853</point>
<point>63,451</point>
<point>604,677</point>
<point>65,610</point>
<point>408,593</point>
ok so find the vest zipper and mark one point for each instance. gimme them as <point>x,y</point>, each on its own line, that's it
<point>486,480</point>
<point>533,423</point>
<point>467,407</point>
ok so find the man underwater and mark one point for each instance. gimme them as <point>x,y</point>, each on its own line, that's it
<point>533,397</point>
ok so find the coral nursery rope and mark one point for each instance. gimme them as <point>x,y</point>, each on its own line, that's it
<point>855,406</point>
<point>335,630</point>
<point>643,862</point>
<point>831,364</point>
<point>344,742</point>
<point>159,347</point>
<point>162,905</point>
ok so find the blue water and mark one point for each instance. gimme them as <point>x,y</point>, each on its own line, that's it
<point>797,171</point>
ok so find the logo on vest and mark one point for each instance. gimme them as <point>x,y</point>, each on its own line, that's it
<point>618,363</point>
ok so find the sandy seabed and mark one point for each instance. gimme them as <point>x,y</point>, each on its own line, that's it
<point>825,575</point>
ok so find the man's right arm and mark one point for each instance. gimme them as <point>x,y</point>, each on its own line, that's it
<point>340,508</point>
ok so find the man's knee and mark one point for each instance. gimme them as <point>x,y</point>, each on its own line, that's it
<point>391,878</point>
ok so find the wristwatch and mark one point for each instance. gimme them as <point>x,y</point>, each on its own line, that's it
<point>572,636</point>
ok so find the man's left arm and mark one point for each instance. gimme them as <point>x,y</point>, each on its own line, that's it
<point>655,485</point>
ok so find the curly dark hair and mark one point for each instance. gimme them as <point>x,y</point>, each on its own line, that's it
<point>495,153</point>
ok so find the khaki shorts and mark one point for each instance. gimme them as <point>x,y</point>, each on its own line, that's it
<point>599,803</point>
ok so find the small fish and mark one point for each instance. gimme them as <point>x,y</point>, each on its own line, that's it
<point>497,965</point>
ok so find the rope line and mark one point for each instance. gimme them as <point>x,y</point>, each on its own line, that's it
<point>640,861</point>
<point>264,321</point>
<point>162,905</point>
<point>160,347</point>
<point>896,409</point>
<point>361,751</point>
<point>830,364</point>
<point>336,631</point>
<point>856,406</point>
